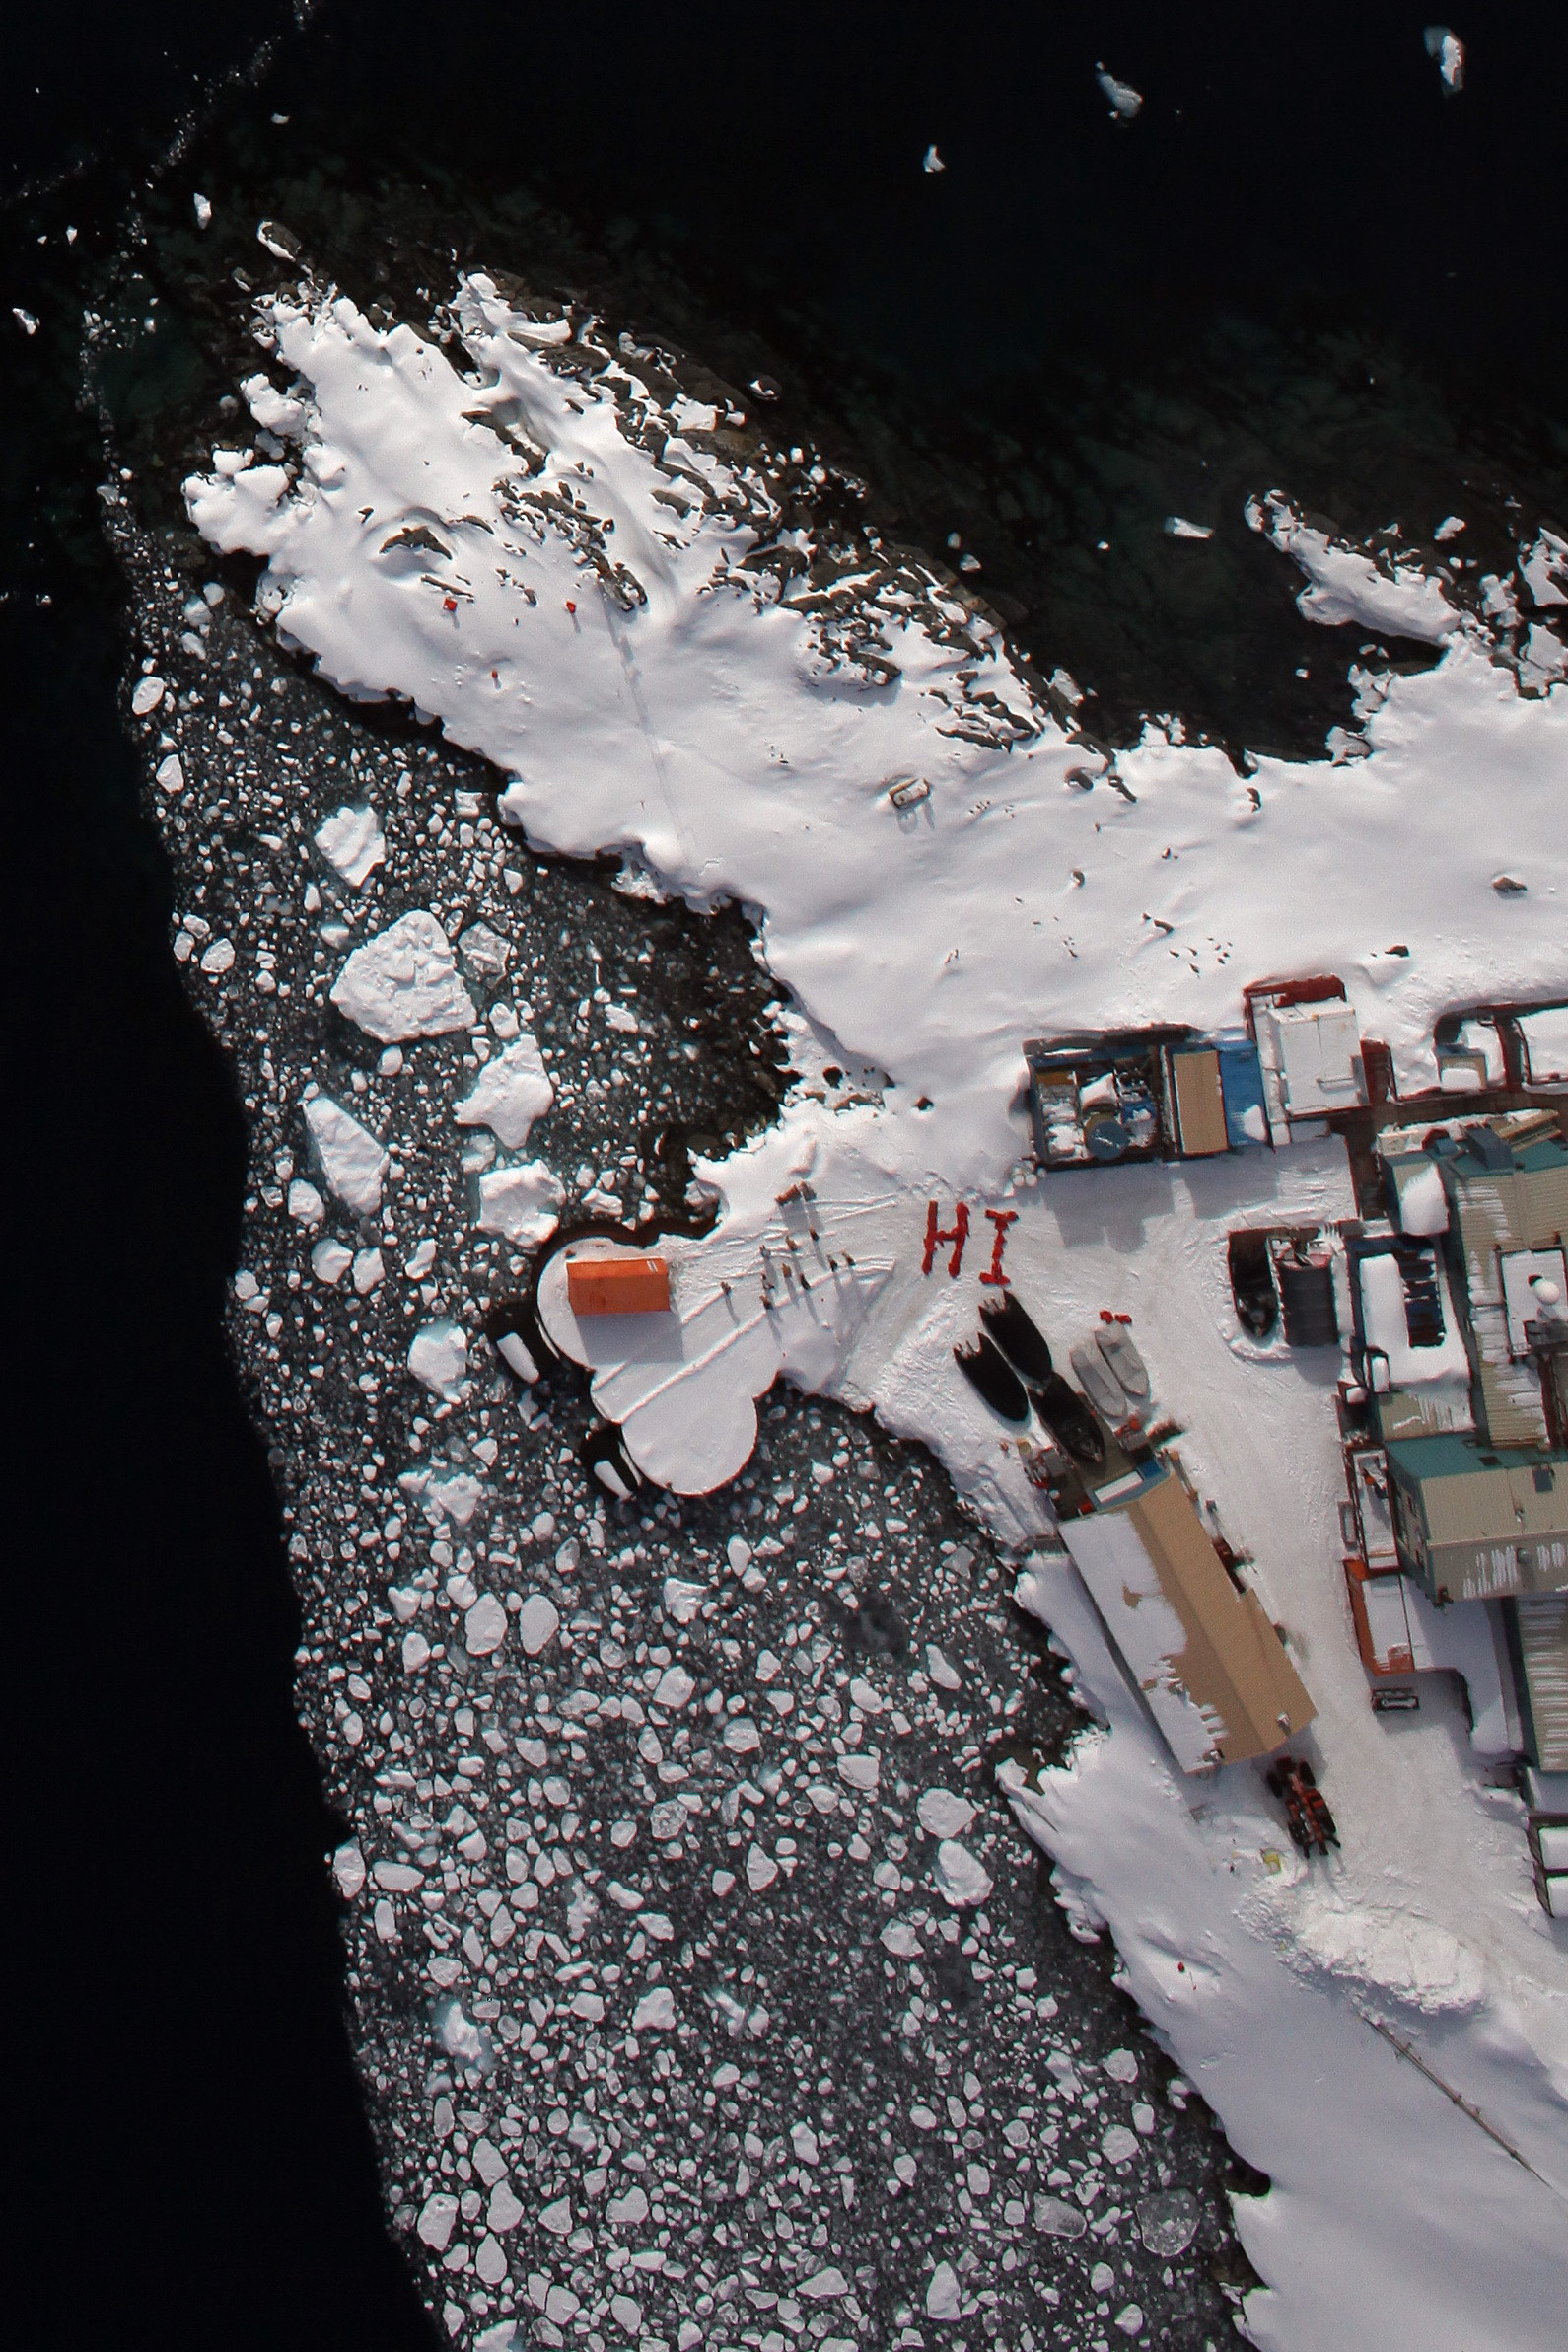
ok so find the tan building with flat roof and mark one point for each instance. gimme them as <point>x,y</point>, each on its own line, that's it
<point>1476,1521</point>
<point>1214,1672</point>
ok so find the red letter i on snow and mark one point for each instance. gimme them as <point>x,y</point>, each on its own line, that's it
<point>1001,1219</point>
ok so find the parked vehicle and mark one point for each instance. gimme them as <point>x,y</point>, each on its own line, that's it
<point>1100,1383</point>
<point>1008,1324</point>
<point>991,1377</point>
<point>1311,1824</point>
<point>1070,1420</point>
<point>1253,1284</point>
<point>1115,1345</point>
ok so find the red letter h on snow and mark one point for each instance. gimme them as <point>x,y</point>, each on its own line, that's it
<point>957,1232</point>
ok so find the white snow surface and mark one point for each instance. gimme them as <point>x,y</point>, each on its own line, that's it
<point>730,742</point>
<point>718,734</point>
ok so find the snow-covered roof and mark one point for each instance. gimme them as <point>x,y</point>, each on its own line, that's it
<point>1204,1655</point>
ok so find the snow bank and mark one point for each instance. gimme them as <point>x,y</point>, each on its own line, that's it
<point>1383,1312</point>
<point>1543,568</point>
<point>1423,1203</point>
<point>1546,1037</point>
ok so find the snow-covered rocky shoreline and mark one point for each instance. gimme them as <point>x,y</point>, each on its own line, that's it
<point>606,599</point>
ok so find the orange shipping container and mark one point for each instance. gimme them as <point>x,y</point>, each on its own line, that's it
<point>617,1285</point>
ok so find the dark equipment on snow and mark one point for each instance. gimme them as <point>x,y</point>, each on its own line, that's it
<point>1307,1293</point>
<point>1069,1417</point>
<point>602,1453</point>
<point>992,1376</point>
<point>1008,1322</point>
<point>1253,1284</point>
<point>1311,1824</point>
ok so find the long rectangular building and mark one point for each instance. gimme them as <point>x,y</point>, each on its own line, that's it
<point>1212,1669</point>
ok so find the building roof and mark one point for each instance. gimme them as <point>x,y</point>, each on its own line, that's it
<point>1199,1101</point>
<point>1522,1206</point>
<point>1213,1670</point>
<point>1475,1493</point>
<point>1315,1051</point>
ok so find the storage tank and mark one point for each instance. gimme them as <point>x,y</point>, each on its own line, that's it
<point>1307,1296</point>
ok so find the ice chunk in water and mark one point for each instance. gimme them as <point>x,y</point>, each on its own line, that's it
<point>1125,102</point>
<point>469,2045</point>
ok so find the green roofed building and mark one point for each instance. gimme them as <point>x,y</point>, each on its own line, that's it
<point>1476,1521</point>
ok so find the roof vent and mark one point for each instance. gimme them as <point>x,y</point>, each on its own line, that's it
<point>1488,1146</point>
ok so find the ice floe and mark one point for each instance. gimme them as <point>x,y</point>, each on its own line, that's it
<point>1125,102</point>
<point>438,1356</point>
<point>404,984</point>
<point>512,1091</point>
<point>330,1261</point>
<point>1344,586</point>
<point>1449,51</point>
<point>351,1158</point>
<point>353,844</point>
<point>521,1201</point>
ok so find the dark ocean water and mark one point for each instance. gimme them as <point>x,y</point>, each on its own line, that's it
<point>1302,265</point>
